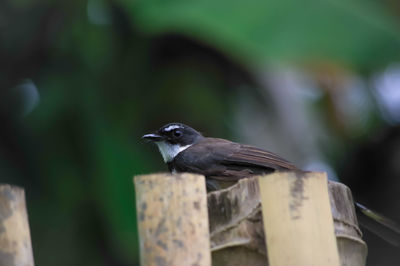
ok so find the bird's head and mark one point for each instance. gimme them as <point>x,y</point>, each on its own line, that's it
<point>173,138</point>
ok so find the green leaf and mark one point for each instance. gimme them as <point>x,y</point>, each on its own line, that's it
<point>263,31</point>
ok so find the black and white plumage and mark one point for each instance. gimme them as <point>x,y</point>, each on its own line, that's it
<point>186,150</point>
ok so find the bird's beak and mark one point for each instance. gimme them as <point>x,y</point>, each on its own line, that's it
<point>153,137</point>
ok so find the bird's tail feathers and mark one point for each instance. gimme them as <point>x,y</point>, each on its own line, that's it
<point>378,224</point>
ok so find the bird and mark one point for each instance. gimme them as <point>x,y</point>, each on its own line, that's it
<point>221,161</point>
<point>224,162</point>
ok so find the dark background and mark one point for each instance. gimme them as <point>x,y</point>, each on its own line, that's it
<point>317,82</point>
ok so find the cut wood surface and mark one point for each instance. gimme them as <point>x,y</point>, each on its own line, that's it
<point>15,239</point>
<point>237,231</point>
<point>235,217</point>
<point>173,220</point>
<point>173,232</point>
<point>298,220</point>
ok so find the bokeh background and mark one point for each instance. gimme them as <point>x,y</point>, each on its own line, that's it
<point>317,82</point>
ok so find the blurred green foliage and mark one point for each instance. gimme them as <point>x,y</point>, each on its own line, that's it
<point>264,31</point>
<point>109,71</point>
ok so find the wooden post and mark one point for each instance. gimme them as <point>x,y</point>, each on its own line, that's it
<point>298,220</point>
<point>15,239</point>
<point>172,220</point>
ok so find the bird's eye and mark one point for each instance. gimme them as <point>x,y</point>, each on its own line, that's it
<point>177,133</point>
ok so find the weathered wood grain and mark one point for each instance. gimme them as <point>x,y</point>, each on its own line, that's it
<point>298,220</point>
<point>173,220</point>
<point>237,231</point>
<point>15,238</point>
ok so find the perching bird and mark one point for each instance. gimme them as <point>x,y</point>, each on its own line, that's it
<point>221,161</point>
<point>224,162</point>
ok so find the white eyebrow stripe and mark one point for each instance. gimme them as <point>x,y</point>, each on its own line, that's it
<point>171,127</point>
<point>149,136</point>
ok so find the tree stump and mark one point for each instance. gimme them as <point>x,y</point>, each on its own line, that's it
<point>237,233</point>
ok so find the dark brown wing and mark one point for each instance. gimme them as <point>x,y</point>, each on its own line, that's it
<point>225,160</point>
<point>252,156</point>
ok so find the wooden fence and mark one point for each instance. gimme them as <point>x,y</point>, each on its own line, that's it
<point>280,219</point>
<point>15,238</point>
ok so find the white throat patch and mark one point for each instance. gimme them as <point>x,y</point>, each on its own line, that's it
<point>169,151</point>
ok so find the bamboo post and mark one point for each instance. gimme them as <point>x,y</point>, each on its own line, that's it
<point>297,219</point>
<point>172,220</point>
<point>15,239</point>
